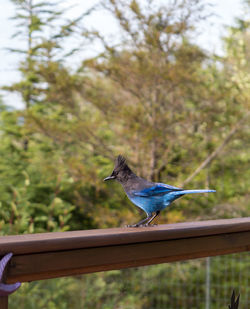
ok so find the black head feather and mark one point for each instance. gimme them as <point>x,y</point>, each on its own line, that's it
<point>121,170</point>
<point>120,163</point>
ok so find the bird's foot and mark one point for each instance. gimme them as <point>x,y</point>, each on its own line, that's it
<point>6,289</point>
<point>141,225</point>
<point>132,225</point>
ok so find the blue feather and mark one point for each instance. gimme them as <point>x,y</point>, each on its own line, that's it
<point>159,189</point>
<point>182,192</point>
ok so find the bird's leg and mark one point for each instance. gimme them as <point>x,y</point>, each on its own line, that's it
<point>152,218</point>
<point>149,217</point>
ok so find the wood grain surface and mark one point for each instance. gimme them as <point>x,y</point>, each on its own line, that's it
<point>50,255</point>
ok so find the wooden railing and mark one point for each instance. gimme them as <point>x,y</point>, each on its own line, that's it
<point>52,255</point>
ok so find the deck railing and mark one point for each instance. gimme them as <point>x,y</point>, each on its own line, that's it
<point>52,255</point>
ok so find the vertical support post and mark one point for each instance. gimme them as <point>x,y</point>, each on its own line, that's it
<point>3,302</point>
<point>208,283</point>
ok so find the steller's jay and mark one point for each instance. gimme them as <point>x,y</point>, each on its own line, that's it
<point>152,197</point>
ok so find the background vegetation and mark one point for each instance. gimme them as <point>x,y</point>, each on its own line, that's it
<point>179,114</point>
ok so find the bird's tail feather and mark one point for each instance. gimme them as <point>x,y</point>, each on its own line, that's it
<point>192,191</point>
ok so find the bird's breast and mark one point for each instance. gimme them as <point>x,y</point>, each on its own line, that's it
<point>149,205</point>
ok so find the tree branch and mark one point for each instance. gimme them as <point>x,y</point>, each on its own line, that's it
<point>216,152</point>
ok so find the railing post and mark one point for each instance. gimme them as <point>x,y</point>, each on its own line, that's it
<point>208,282</point>
<point>3,302</point>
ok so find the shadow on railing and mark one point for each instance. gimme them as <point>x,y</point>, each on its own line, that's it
<point>52,255</point>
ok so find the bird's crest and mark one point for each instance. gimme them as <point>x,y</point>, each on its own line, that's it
<point>120,162</point>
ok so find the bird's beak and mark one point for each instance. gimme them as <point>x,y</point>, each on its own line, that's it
<point>109,178</point>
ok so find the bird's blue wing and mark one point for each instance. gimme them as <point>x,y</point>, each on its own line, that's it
<point>158,189</point>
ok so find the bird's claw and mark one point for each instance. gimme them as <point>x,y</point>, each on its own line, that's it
<point>132,225</point>
<point>6,289</point>
<point>141,225</point>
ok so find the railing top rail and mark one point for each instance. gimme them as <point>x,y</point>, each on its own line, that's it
<point>57,241</point>
<point>51,255</point>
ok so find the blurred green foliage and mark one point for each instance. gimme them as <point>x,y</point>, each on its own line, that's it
<point>156,97</point>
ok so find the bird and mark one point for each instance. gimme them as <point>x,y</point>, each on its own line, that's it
<point>152,197</point>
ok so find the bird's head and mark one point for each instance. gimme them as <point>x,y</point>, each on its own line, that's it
<point>121,170</point>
